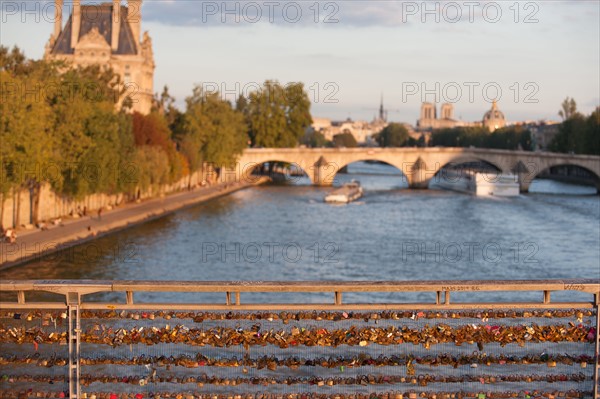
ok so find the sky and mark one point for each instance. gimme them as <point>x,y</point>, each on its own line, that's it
<point>529,55</point>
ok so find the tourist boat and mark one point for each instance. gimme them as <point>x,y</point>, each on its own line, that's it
<point>347,193</point>
<point>480,184</point>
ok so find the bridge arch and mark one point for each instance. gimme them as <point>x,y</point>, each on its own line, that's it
<point>468,163</point>
<point>571,172</point>
<point>275,172</point>
<point>401,173</point>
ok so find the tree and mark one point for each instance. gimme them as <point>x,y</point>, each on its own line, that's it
<point>315,139</point>
<point>278,116</point>
<point>578,134</point>
<point>345,139</point>
<point>568,108</point>
<point>393,135</point>
<point>27,150</point>
<point>213,131</point>
<point>152,167</point>
<point>297,107</point>
<point>164,105</point>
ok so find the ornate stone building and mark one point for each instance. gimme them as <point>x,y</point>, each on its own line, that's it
<point>107,34</point>
<point>430,121</point>
<point>494,118</point>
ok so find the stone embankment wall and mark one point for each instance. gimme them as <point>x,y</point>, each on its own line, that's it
<point>22,209</point>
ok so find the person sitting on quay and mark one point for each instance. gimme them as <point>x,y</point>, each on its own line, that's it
<point>10,236</point>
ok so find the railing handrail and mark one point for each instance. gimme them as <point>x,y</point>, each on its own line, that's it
<point>74,290</point>
<point>591,286</point>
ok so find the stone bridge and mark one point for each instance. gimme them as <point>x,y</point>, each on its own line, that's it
<point>419,165</point>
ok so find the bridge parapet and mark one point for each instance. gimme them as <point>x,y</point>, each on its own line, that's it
<point>86,343</point>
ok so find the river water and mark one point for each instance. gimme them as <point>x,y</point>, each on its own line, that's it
<point>287,232</point>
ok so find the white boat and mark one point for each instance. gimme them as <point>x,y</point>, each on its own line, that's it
<point>347,193</point>
<point>480,184</point>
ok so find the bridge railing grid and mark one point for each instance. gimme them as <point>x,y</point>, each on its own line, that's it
<point>76,339</point>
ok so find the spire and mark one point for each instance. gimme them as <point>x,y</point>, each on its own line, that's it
<point>381,110</point>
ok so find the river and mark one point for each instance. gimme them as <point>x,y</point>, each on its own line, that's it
<point>287,232</point>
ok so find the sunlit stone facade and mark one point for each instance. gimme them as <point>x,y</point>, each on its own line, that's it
<point>109,35</point>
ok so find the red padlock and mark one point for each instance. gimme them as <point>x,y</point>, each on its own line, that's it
<point>113,396</point>
<point>139,396</point>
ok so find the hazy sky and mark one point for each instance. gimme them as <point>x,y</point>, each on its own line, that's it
<point>534,53</point>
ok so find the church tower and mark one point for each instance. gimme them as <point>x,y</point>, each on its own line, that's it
<point>107,34</point>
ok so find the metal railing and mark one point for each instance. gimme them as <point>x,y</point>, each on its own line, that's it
<point>300,349</point>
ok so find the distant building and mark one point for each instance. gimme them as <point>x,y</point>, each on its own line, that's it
<point>542,133</point>
<point>362,131</point>
<point>109,35</point>
<point>430,121</point>
<point>494,118</point>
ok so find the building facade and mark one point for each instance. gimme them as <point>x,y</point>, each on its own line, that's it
<point>429,120</point>
<point>494,118</point>
<point>108,35</point>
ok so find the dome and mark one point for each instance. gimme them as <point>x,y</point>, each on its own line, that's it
<point>494,118</point>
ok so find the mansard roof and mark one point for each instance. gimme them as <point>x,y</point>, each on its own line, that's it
<point>98,16</point>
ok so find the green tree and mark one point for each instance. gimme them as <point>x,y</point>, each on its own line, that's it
<point>278,116</point>
<point>393,135</point>
<point>315,140</point>
<point>592,133</point>
<point>152,167</point>
<point>27,150</point>
<point>568,108</point>
<point>213,131</point>
<point>345,139</point>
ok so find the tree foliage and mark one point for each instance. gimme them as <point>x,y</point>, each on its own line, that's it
<point>507,138</point>
<point>315,139</point>
<point>345,139</point>
<point>71,128</point>
<point>394,135</point>
<point>213,131</point>
<point>568,108</point>
<point>578,134</point>
<point>278,116</point>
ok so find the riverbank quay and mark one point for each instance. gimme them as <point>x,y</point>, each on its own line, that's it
<point>33,244</point>
<point>129,341</point>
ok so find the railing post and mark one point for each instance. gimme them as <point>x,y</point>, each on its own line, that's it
<point>546,296</point>
<point>338,298</point>
<point>129,295</point>
<point>73,302</point>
